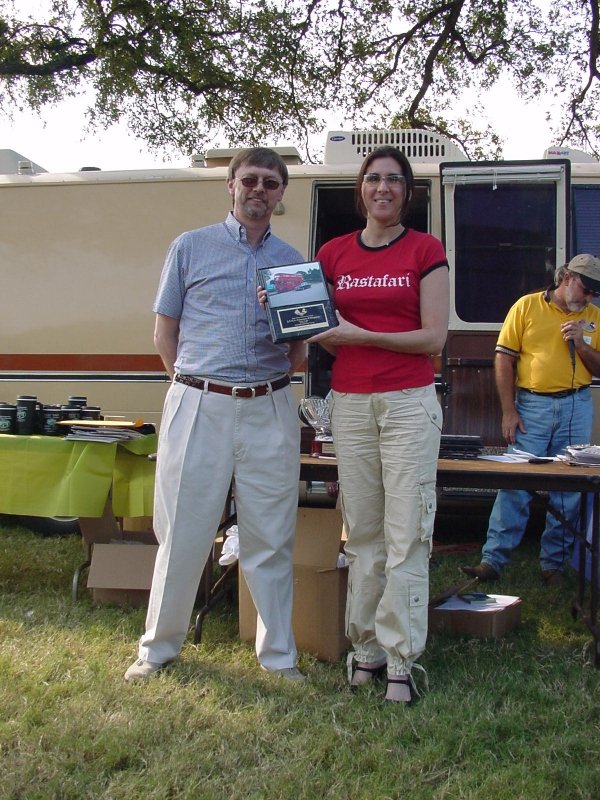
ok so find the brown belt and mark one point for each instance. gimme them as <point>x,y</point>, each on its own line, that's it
<point>234,391</point>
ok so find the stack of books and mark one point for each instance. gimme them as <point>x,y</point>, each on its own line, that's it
<point>453,446</point>
<point>477,598</point>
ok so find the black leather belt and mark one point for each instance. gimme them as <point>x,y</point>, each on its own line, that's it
<point>564,393</point>
<point>234,391</point>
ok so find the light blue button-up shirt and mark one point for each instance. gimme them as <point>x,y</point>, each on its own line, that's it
<point>209,284</point>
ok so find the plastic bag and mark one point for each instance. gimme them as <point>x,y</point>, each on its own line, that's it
<point>231,547</point>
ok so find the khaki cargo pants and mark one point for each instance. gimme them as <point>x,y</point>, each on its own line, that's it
<point>387,446</point>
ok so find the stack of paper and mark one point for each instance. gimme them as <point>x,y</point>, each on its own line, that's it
<point>495,602</point>
<point>583,455</point>
<point>515,456</point>
<point>102,434</point>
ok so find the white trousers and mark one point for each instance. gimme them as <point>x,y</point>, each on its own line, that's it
<point>387,446</point>
<point>206,439</point>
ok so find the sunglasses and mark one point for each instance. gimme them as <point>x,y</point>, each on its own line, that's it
<point>591,292</point>
<point>252,181</point>
<point>391,180</point>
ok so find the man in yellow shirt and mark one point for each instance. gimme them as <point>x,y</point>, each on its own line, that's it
<point>548,351</point>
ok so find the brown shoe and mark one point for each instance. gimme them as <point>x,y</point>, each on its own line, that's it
<point>552,577</point>
<point>485,572</point>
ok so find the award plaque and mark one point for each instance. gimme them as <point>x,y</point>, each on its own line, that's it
<point>298,303</point>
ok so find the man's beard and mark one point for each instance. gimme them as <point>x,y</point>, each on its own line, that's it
<point>255,211</point>
<point>575,308</point>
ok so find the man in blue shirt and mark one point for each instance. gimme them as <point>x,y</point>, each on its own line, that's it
<point>229,413</point>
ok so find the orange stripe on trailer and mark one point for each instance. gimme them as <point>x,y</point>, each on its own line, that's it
<point>81,362</point>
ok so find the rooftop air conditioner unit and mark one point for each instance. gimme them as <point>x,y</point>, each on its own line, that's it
<point>25,168</point>
<point>220,157</point>
<point>352,147</point>
<point>576,156</point>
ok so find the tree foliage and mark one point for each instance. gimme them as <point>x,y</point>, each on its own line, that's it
<point>185,72</point>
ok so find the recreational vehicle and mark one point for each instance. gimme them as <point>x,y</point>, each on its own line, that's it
<point>81,254</point>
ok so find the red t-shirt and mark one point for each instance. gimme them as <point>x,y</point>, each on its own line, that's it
<point>377,288</point>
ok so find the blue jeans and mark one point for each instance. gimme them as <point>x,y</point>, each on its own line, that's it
<point>551,424</point>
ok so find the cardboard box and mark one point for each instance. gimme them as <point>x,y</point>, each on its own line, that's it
<point>121,573</point>
<point>135,537</point>
<point>318,616</point>
<point>138,529</point>
<point>492,623</point>
<point>122,564</point>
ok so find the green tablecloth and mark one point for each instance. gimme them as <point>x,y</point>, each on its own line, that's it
<point>48,476</point>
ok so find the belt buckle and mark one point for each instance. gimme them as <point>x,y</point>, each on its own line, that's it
<point>236,389</point>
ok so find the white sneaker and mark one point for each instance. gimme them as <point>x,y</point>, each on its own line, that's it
<point>288,673</point>
<point>140,670</point>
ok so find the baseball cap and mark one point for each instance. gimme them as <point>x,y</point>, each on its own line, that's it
<point>588,269</point>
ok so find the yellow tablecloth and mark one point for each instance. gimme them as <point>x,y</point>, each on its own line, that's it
<point>48,476</point>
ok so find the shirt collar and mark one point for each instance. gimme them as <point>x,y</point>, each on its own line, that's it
<point>238,231</point>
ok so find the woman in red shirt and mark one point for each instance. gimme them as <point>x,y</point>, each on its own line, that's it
<point>391,291</point>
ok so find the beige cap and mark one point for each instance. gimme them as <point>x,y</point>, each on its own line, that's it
<point>588,269</point>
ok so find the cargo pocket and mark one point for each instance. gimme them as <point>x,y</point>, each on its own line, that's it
<point>418,600</point>
<point>433,410</point>
<point>428,509</point>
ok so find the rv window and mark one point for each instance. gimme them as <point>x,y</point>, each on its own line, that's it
<point>505,246</point>
<point>586,213</point>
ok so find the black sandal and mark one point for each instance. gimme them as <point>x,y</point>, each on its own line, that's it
<point>374,672</point>
<point>407,681</point>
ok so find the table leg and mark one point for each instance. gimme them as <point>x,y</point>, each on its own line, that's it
<point>582,546</point>
<point>217,593</point>
<point>594,576</point>
<point>590,619</point>
<point>79,570</point>
<point>213,590</point>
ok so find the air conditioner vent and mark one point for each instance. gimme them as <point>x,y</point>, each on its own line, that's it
<point>351,147</point>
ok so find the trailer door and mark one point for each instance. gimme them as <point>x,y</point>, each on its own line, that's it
<point>505,230</point>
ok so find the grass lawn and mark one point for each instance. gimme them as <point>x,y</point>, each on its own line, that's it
<point>503,719</point>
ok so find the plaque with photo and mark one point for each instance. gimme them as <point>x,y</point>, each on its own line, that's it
<point>298,303</point>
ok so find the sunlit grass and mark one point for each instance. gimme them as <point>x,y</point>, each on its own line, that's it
<point>511,718</point>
